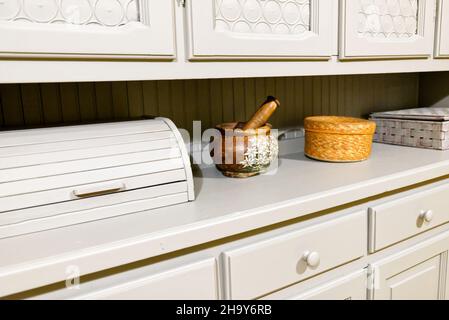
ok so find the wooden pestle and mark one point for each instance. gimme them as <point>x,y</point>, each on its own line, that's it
<point>260,118</point>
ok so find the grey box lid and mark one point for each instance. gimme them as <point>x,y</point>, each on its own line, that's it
<point>434,114</point>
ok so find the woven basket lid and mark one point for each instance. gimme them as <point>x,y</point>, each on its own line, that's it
<point>339,125</point>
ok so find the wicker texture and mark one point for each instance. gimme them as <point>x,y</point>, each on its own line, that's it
<point>338,139</point>
<point>413,133</point>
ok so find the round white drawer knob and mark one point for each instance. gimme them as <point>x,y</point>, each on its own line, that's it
<point>427,215</point>
<point>312,258</point>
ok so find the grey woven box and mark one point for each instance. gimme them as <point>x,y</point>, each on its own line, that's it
<point>421,127</point>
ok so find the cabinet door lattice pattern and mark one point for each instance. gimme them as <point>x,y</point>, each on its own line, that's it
<point>388,19</point>
<point>424,134</point>
<point>288,17</point>
<point>108,13</point>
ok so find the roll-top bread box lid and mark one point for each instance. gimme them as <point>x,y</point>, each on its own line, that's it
<point>55,177</point>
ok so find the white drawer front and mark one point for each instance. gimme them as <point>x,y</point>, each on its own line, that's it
<point>401,219</point>
<point>352,287</point>
<point>197,281</point>
<point>258,269</point>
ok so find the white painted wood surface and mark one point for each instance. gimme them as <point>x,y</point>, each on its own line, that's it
<point>90,204</point>
<point>420,282</point>
<point>400,219</point>
<point>196,281</point>
<point>319,186</point>
<point>350,287</point>
<point>151,34</point>
<point>43,71</point>
<point>64,219</point>
<point>379,22</point>
<point>260,30</point>
<point>39,193</point>
<point>442,36</point>
<point>263,267</point>
<point>419,272</point>
<point>183,278</point>
<point>24,71</point>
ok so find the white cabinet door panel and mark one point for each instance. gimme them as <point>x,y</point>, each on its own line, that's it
<point>417,283</point>
<point>261,29</point>
<point>442,34</point>
<point>417,273</point>
<point>352,287</point>
<point>113,28</point>
<point>372,29</point>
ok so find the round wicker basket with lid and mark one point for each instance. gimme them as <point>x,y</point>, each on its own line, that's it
<point>338,139</point>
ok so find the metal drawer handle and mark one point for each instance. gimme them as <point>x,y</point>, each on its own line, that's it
<point>312,258</point>
<point>99,190</point>
<point>427,216</point>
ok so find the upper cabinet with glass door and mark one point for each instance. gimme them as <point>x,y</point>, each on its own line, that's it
<point>87,28</point>
<point>377,29</point>
<point>442,35</point>
<point>261,29</point>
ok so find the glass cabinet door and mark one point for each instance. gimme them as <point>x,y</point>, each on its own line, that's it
<point>261,29</point>
<point>379,29</point>
<point>87,28</point>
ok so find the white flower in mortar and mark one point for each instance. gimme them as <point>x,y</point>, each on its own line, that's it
<point>262,150</point>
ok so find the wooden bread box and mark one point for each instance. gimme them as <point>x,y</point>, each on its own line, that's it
<point>55,177</point>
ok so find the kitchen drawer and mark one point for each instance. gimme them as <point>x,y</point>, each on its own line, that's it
<point>348,287</point>
<point>406,217</point>
<point>352,287</point>
<point>192,281</point>
<point>258,269</point>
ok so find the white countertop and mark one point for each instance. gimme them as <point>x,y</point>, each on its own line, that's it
<point>224,207</point>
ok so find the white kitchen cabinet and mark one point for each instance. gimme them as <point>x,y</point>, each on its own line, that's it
<point>419,273</point>
<point>196,281</point>
<point>399,219</point>
<point>442,33</point>
<point>261,29</point>
<point>87,28</point>
<point>181,281</point>
<point>352,286</point>
<point>262,267</point>
<point>371,29</point>
<point>420,282</point>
